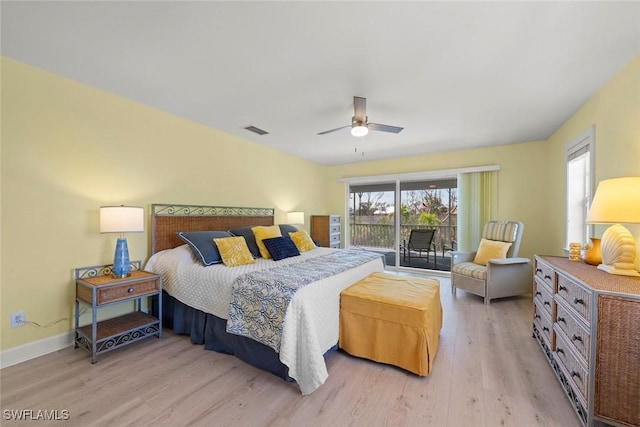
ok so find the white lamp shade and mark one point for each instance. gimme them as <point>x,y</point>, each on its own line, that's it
<point>121,219</point>
<point>295,218</point>
<point>616,201</point>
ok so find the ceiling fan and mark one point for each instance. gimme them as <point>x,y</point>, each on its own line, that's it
<point>360,125</point>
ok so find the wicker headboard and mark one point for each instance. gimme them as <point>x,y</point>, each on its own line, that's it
<point>167,220</point>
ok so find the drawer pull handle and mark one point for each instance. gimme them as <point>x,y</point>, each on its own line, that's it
<point>537,316</point>
<point>576,338</point>
<point>538,293</point>
<point>559,350</point>
<point>575,374</point>
<point>544,328</point>
<point>131,290</point>
<point>562,288</point>
<point>538,270</point>
<point>547,277</point>
<point>547,303</point>
<point>561,319</point>
<point>578,301</point>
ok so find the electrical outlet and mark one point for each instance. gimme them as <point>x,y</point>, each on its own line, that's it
<point>17,319</point>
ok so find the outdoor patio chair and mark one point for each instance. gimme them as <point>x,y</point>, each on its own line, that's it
<point>420,241</point>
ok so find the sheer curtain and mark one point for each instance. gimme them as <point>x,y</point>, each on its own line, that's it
<point>477,204</point>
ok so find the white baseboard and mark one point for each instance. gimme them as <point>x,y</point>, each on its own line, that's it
<point>25,352</point>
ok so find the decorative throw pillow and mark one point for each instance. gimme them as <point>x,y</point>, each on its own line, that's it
<point>234,251</point>
<point>490,249</point>
<point>201,243</point>
<point>285,229</point>
<point>302,240</point>
<point>281,248</point>
<point>262,232</point>
<point>247,233</point>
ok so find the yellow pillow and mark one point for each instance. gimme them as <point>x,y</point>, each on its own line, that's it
<point>234,251</point>
<point>262,232</point>
<point>490,249</point>
<point>303,241</point>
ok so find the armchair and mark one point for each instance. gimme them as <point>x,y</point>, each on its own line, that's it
<point>500,277</point>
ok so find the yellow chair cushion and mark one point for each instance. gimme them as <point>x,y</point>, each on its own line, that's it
<point>491,249</point>
<point>234,251</point>
<point>303,241</point>
<point>262,232</point>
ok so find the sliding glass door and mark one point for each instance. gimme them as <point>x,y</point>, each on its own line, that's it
<point>426,206</point>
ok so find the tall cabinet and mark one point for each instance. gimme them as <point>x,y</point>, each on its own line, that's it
<point>326,230</point>
<point>587,323</point>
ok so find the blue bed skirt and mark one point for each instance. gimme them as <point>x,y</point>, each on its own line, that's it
<point>211,331</point>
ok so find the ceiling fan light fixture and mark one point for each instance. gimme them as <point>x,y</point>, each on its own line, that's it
<point>359,129</point>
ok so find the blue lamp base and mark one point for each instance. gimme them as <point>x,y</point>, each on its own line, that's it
<point>121,264</point>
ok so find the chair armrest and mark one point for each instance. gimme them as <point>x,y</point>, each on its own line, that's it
<point>458,257</point>
<point>508,261</point>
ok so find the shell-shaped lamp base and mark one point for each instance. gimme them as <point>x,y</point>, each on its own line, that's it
<point>618,249</point>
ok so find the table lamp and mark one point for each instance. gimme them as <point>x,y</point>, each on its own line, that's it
<point>121,219</point>
<point>295,218</point>
<point>617,201</point>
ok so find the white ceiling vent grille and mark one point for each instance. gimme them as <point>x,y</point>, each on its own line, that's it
<point>255,129</point>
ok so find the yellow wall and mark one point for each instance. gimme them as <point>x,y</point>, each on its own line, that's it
<point>68,148</point>
<point>532,176</point>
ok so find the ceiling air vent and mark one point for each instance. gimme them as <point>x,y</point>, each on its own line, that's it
<point>256,130</point>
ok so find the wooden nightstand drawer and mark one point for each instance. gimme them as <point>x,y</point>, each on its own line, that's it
<point>126,291</point>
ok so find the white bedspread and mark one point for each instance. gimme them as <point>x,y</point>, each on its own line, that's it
<point>311,322</point>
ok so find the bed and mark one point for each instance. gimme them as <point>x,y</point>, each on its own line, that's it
<point>206,302</point>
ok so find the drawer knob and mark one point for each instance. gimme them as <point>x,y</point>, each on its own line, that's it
<point>578,301</point>
<point>575,374</point>
<point>538,293</point>
<point>576,338</point>
<point>562,288</point>
<point>561,319</point>
<point>559,350</point>
<point>537,316</point>
<point>131,290</point>
<point>547,303</point>
<point>547,277</point>
<point>538,270</point>
<point>544,328</point>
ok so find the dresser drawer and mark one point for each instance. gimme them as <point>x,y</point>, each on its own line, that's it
<point>544,298</point>
<point>545,326</point>
<point>580,338</point>
<point>575,371</point>
<point>334,219</point>
<point>335,228</point>
<point>120,292</point>
<point>578,298</point>
<point>546,274</point>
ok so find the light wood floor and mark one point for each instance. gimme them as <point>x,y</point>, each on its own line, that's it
<point>489,371</point>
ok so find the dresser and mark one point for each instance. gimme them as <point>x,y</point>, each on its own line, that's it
<point>587,323</point>
<point>326,230</point>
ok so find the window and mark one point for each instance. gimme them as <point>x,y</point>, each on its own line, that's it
<point>580,175</point>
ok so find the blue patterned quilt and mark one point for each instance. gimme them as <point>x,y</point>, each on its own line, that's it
<point>259,300</point>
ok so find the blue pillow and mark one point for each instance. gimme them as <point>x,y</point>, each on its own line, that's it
<point>281,248</point>
<point>202,245</point>
<point>285,229</point>
<point>248,235</point>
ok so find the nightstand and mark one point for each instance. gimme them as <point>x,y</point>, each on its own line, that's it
<point>96,288</point>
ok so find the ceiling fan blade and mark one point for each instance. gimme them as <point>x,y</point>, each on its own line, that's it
<point>333,130</point>
<point>385,128</point>
<point>360,108</point>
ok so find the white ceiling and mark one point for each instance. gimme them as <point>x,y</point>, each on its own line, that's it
<point>454,74</point>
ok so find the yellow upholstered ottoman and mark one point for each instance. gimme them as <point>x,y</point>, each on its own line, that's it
<point>392,319</point>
